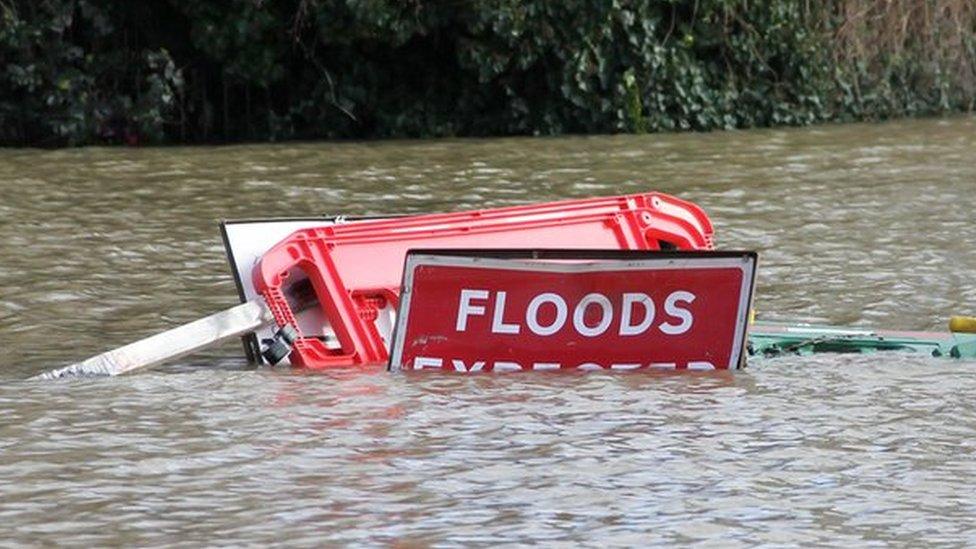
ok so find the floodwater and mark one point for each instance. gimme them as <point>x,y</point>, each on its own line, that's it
<point>866,225</point>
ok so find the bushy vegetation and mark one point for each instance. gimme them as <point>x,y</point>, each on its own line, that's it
<point>87,71</point>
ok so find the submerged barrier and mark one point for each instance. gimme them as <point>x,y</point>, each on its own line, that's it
<point>356,269</point>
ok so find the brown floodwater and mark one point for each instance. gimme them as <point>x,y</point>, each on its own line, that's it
<point>863,225</point>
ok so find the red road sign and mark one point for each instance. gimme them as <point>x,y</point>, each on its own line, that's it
<point>573,310</point>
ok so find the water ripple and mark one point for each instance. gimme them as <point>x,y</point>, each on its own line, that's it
<point>860,224</point>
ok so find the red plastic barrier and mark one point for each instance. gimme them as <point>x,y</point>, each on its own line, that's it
<point>356,268</point>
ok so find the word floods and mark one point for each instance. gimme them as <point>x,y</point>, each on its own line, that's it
<point>534,313</point>
<point>511,311</point>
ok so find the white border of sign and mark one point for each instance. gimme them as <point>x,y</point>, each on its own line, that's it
<point>586,262</point>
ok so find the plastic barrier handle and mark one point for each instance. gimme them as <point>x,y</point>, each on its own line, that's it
<point>357,339</point>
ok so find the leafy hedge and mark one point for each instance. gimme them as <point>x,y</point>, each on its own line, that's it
<point>86,71</point>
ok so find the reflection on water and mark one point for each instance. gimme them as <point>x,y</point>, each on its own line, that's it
<point>860,224</point>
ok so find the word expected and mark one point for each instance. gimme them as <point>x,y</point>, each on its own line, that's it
<point>457,365</point>
<point>474,302</point>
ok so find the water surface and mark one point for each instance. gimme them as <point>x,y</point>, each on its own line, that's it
<point>867,225</point>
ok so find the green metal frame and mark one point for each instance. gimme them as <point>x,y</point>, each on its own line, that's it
<point>771,339</point>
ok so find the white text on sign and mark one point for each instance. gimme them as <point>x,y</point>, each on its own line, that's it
<point>477,302</point>
<point>457,365</point>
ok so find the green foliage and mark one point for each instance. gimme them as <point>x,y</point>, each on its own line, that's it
<point>69,76</point>
<point>87,71</point>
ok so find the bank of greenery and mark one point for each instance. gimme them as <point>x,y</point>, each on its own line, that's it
<point>87,71</point>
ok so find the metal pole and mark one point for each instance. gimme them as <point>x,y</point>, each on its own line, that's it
<point>171,344</point>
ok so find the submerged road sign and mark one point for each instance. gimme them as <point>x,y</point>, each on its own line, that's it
<point>573,310</point>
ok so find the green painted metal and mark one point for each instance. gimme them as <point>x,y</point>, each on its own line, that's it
<point>771,339</point>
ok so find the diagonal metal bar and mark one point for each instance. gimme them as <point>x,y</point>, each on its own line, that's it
<point>171,344</point>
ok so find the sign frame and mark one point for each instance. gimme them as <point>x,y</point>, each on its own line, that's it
<point>514,259</point>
